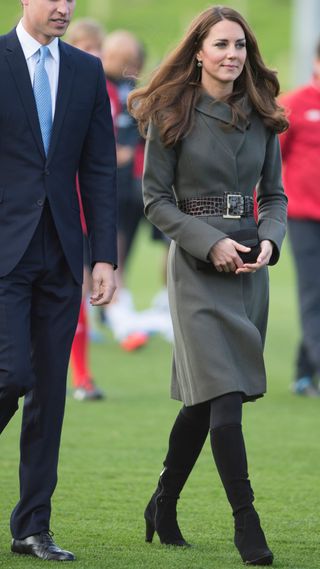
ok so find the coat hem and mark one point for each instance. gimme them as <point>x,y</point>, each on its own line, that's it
<point>245,397</point>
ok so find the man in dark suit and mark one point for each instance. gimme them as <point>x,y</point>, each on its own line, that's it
<point>54,121</point>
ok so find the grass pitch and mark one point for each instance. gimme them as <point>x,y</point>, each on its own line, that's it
<point>112,453</point>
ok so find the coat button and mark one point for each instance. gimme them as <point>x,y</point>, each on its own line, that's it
<point>47,172</point>
<point>40,203</point>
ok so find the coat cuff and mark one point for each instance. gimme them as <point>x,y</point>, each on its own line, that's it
<point>273,231</point>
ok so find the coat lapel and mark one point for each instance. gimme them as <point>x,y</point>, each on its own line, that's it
<point>231,140</point>
<point>66,74</point>
<point>20,73</point>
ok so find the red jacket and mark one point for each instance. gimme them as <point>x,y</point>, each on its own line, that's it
<point>300,146</point>
<point>114,100</point>
<point>138,160</point>
<point>115,107</point>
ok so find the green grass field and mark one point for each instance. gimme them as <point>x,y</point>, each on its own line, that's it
<point>112,451</point>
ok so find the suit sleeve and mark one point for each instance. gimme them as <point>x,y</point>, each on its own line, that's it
<point>97,177</point>
<point>190,233</point>
<point>272,201</point>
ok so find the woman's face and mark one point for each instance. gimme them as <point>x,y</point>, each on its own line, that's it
<point>223,55</point>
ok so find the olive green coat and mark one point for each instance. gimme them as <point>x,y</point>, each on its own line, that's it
<point>219,319</point>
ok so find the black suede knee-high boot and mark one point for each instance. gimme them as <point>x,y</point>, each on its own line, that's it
<point>229,453</point>
<point>185,443</point>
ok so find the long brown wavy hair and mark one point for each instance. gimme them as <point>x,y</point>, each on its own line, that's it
<point>170,97</point>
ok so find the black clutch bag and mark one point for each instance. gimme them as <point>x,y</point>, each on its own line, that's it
<point>249,238</point>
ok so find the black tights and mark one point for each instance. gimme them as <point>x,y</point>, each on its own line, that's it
<point>224,410</point>
<point>192,425</point>
<point>222,416</point>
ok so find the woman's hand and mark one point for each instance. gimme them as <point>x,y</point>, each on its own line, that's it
<point>263,259</point>
<point>224,255</point>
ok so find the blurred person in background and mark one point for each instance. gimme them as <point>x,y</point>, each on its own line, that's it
<point>300,146</point>
<point>88,35</point>
<point>123,58</point>
<point>212,122</point>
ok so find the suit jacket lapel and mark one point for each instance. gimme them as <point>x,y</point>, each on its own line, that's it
<point>66,73</point>
<point>20,73</point>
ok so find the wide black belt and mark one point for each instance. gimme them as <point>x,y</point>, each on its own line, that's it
<point>229,205</point>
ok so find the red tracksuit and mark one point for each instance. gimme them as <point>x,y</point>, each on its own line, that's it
<point>300,146</point>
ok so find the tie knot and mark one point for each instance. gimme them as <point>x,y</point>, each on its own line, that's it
<point>44,52</point>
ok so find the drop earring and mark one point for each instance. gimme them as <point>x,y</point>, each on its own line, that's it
<point>199,63</point>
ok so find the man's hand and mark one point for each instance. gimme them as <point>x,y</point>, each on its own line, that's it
<point>103,284</point>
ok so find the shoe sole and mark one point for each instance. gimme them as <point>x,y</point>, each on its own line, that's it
<point>267,560</point>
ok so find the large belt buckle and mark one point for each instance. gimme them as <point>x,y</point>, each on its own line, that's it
<point>233,201</point>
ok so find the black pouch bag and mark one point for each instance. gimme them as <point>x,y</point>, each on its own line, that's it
<point>249,238</point>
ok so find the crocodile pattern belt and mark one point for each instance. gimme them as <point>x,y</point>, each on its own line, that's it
<point>229,205</point>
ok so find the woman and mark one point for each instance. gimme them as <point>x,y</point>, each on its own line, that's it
<point>212,138</point>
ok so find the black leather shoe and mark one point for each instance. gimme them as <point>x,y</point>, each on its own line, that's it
<point>41,545</point>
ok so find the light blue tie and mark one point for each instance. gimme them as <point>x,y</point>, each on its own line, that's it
<point>42,94</point>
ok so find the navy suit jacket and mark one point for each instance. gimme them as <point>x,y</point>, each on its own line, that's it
<point>82,142</point>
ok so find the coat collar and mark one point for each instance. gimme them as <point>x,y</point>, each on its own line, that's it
<point>221,111</point>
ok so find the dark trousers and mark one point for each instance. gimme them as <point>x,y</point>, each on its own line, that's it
<point>304,367</point>
<point>305,243</point>
<point>39,306</point>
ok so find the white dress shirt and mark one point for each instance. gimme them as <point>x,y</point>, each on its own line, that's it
<point>30,46</point>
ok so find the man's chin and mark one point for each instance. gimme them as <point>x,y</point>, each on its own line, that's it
<point>58,31</point>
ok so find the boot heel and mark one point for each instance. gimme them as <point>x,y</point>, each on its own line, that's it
<point>150,530</point>
<point>161,514</point>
